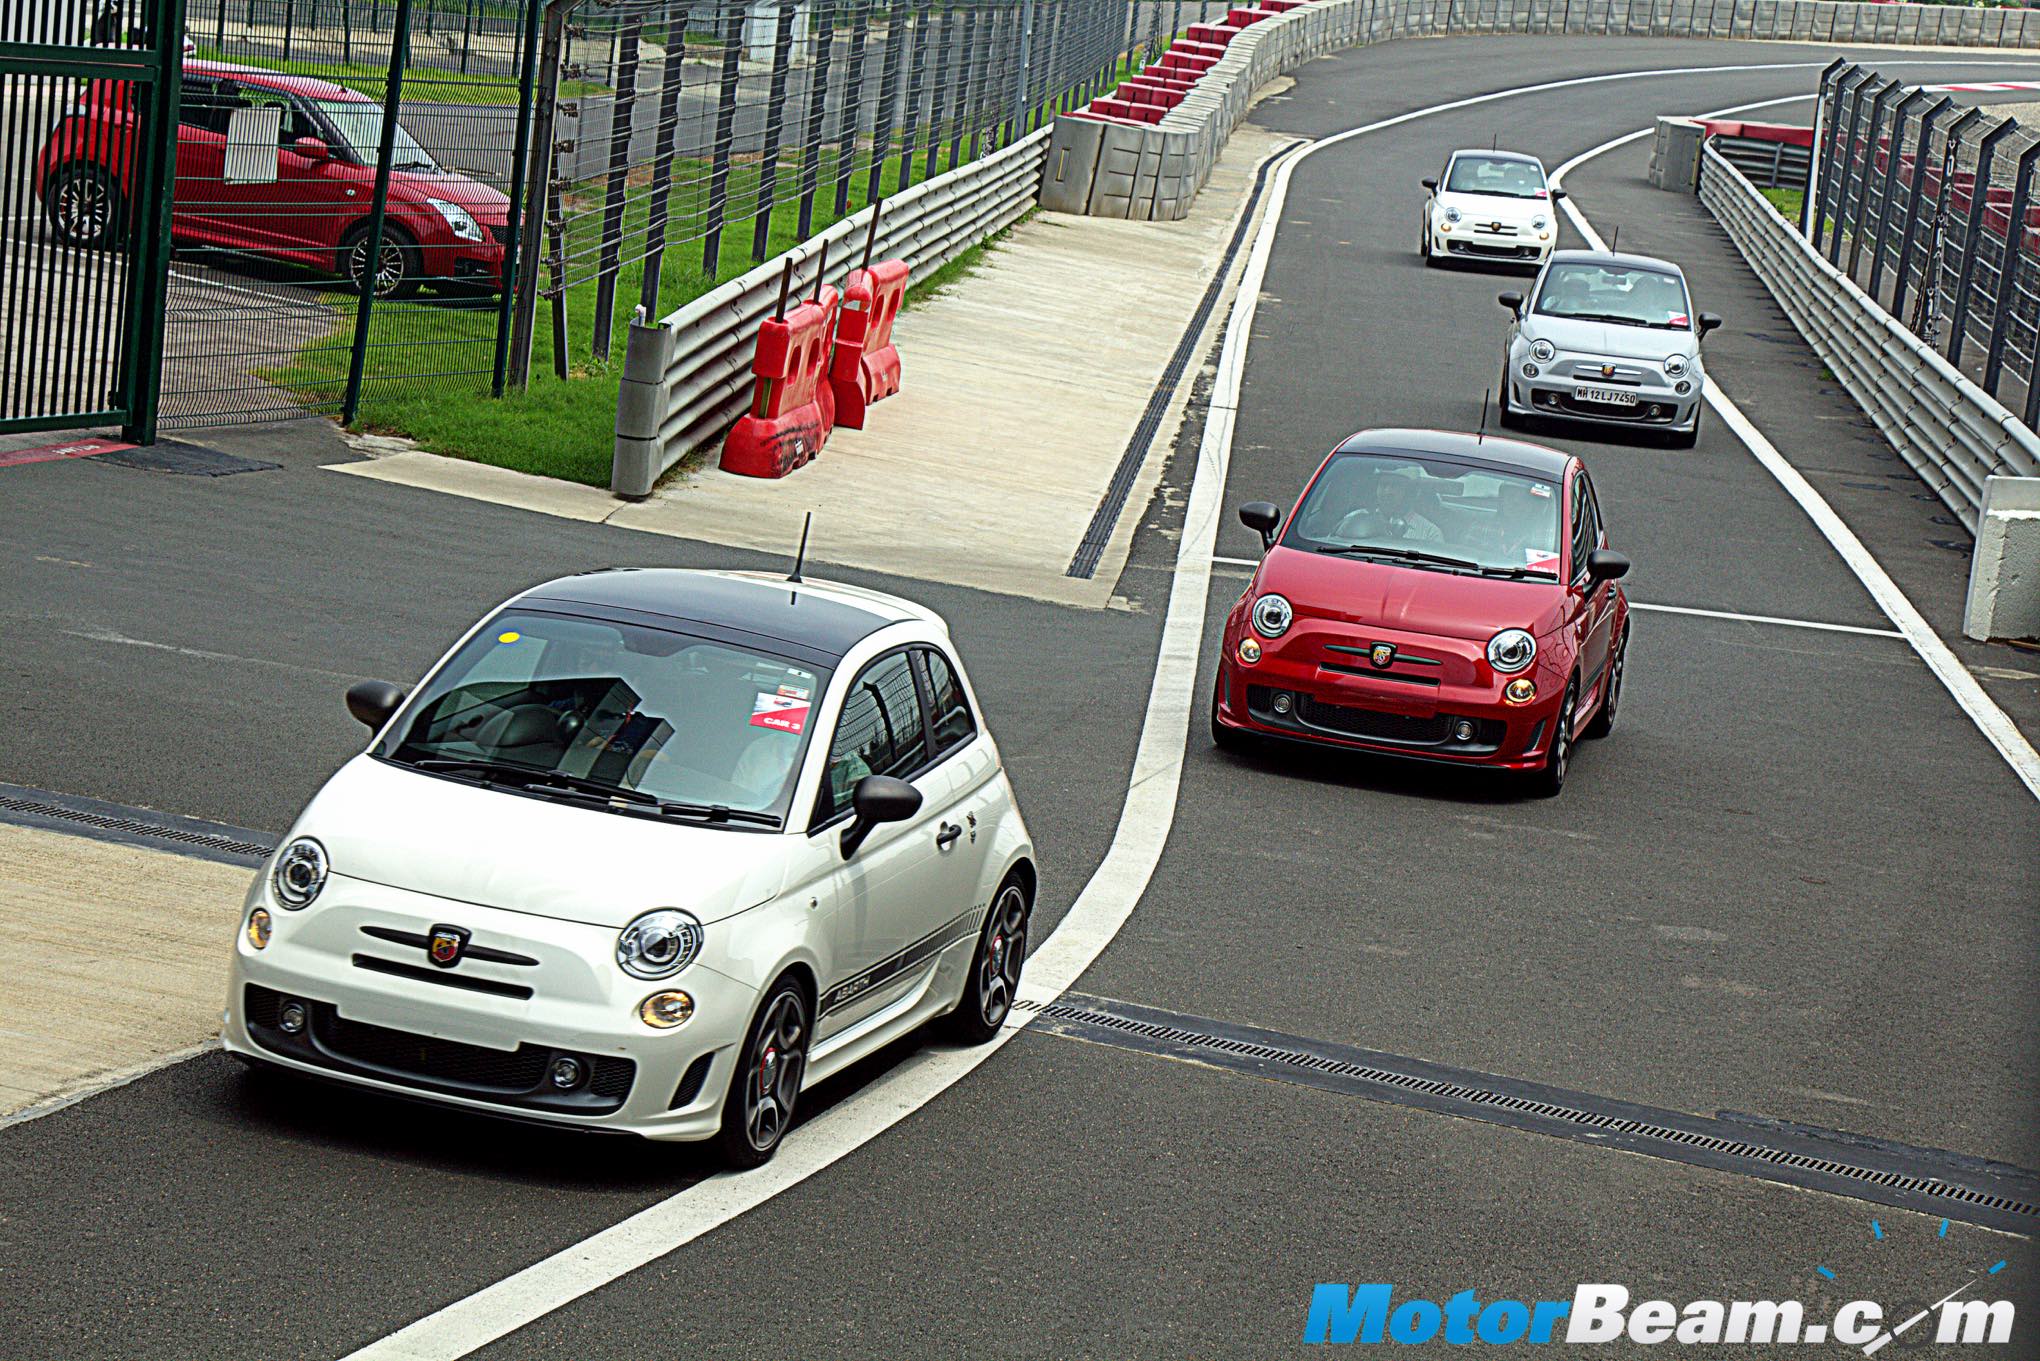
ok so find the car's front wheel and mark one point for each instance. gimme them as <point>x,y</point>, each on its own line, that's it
<point>759,1108</point>
<point>1604,721</point>
<point>84,206</point>
<point>397,271</point>
<point>1222,737</point>
<point>1549,778</point>
<point>1510,418</point>
<point>995,968</point>
<point>1686,439</point>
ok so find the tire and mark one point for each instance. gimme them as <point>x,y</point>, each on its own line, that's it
<point>1604,721</point>
<point>1548,779</point>
<point>400,268</point>
<point>1424,248</point>
<point>766,1086</point>
<point>995,967</point>
<point>1505,415</point>
<point>1222,737</point>
<point>1686,439</point>
<point>84,206</point>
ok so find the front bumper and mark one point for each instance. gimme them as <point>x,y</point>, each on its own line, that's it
<point>1466,242</point>
<point>1550,392</point>
<point>379,1015</point>
<point>1461,719</point>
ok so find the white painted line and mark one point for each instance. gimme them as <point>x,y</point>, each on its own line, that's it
<point>1107,900</point>
<point>1766,619</point>
<point>1996,726</point>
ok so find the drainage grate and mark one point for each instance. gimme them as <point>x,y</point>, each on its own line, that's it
<point>1106,518</point>
<point>135,826</point>
<point>1934,1181</point>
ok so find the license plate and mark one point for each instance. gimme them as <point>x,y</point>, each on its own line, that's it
<point>1611,396</point>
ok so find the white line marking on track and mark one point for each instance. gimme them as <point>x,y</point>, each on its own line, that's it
<point>1101,909</point>
<point>1767,619</point>
<point>1996,726</point>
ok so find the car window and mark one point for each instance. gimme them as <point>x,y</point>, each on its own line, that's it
<point>293,121</point>
<point>882,731</point>
<point>950,709</point>
<point>1587,291</point>
<point>201,107</point>
<point>1502,177</point>
<point>1489,517</point>
<point>1582,527</point>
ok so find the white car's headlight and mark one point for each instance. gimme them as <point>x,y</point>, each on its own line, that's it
<point>1543,351</point>
<point>1539,223</point>
<point>1451,213</point>
<point>1511,650</point>
<point>458,219</point>
<point>1272,614</point>
<point>1675,364</point>
<point>659,944</point>
<point>299,873</point>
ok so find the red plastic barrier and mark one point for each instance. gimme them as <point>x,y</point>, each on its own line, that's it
<point>1187,62</point>
<point>1191,47</point>
<point>1241,18</point>
<point>1146,92</point>
<point>867,365</point>
<point>1787,133</point>
<point>1115,108</point>
<point>1218,35</point>
<point>1092,115</point>
<point>830,301</point>
<point>785,427</point>
<point>1280,6</point>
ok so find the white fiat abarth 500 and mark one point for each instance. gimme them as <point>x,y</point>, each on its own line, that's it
<point>647,851</point>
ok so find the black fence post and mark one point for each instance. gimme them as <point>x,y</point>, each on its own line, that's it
<point>371,268</point>
<point>622,110</point>
<point>513,232</point>
<point>1835,159</point>
<point>1979,198</point>
<point>1823,133</point>
<point>1902,280</point>
<point>823,41</point>
<point>888,98</point>
<point>944,53</point>
<point>1862,203</point>
<point>1846,172</point>
<point>917,83</point>
<point>732,16</point>
<point>775,122</point>
<point>1893,157</point>
<point>967,109</point>
<point>853,105</point>
<point>672,73</point>
<point>2008,268</point>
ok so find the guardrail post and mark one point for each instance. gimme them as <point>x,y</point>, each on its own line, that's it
<point>1861,202</point>
<point>1903,281</point>
<point>1958,306</point>
<point>1891,162</point>
<point>2008,267</point>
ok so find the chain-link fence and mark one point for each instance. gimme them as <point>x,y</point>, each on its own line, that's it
<point>1930,207</point>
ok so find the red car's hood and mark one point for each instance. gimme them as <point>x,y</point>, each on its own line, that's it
<point>1442,604</point>
<point>487,204</point>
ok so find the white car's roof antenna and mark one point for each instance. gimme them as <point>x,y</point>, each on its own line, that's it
<point>1480,437</point>
<point>1614,235</point>
<point>801,556</point>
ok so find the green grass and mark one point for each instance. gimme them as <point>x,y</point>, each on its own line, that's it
<point>422,84</point>
<point>1786,201</point>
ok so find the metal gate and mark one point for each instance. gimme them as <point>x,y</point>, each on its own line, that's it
<point>87,95</point>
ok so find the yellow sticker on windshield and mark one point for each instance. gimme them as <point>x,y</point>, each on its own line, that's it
<point>508,637</point>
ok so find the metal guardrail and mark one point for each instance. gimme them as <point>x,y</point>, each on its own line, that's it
<point>687,378</point>
<point>1951,432</point>
<point>1773,165</point>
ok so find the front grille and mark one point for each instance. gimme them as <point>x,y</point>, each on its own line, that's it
<point>1499,252</point>
<point>1371,722</point>
<point>1643,413</point>
<point>516,1077</point>
<point>690,1083</point>
<point>1309,714</point>
<point>444,978</point>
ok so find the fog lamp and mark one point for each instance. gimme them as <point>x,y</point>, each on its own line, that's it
<point>258,928</point>
<point>291,1019</point>
<point>1250,650</point>
<point>664,1010</point>
<point>1682,387</point>
<point>1529,370</point>
<point>565,1072</point>
<point>1544,236</point>
<point>1462,731</point>
<point>1282,703</point>
<point>1520,690</point>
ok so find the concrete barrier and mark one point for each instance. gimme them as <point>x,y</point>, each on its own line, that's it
<point>2004,572</point>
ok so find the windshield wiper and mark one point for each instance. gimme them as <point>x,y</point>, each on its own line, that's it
<point>1517,573</point>
<point>597,793</point>
<point>1400,555</point>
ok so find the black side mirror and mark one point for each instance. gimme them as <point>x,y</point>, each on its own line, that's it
<point>373,702</point>
<point>1511,300</point>
<point>1605,564</point>
<point>1708,322</point>
<point>1264,516</point>
<point>1431,185</point>
<point>1556,194</point>
<point>877,799</point>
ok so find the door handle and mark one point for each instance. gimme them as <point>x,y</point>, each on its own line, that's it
<point>948,835</point>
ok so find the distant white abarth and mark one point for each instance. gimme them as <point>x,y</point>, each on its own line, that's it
<point>647,851</point>
<point>1489,205</point>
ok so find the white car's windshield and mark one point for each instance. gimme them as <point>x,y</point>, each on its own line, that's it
<point>1501,177</point>
<point>1430,513</point>
<point>597,710</point>
<point>1615,293</point>
<point>361,124</point>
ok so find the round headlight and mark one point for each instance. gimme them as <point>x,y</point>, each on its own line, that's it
<point>1539,223</point>
<point>1543,351</point>
<point>299,874</point>
<point>1451,214</point>
<point>1511,650</point>
<point>1272,614</point>
<point>1675,364</point>
<point>658,944</point>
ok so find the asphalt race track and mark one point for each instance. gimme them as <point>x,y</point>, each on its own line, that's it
<point>1796,883</point>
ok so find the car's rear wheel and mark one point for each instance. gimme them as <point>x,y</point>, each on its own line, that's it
<point>1604,721</point>
<point>995,968</point>
<point>1549,778</point>
<point>397,269</point>
<point>759,1108</point>
<point>84,205</point>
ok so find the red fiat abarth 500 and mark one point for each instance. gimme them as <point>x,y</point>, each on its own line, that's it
<point>1436,595</point>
